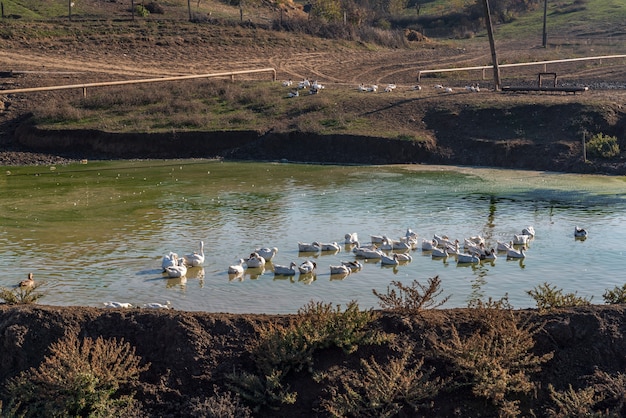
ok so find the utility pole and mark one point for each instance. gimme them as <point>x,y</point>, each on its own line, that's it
<point>494,57</point>
<point>545,13</point>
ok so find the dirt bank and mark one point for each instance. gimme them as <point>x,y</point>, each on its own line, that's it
<point>190,352</point>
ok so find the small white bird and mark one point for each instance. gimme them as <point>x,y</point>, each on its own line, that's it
<point>352,238</point>
<point>404,257</point>
<point>236,268</point>
<point>467,258</point>
<point>448,89</point>
<point>580,232</point>
<point>179,270</point>
<point>439,252</point>
<point>294,93</point>
<point>417,87</point>
<point>287,83</point>
<point>389,260</point>
<point>429,245</point>
<point>307,267</point>
<point>529,230</point>
<point>197,258</point>
<point>520,239</point>
<point>438,86</point>
<point>332,246</point>
<point>367,253</point>
<point>156,305</point>
<point>117,305</point>
<point>285,270</point>
<point>503,246</point>
<point>312,247</point>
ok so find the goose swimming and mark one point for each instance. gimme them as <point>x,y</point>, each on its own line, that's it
<point>307,267</point>
<point>236,268</point>
<point>340,270</point>
<point>29,282</point>
<point>156,305</point>
<point>391,260</point>
<point>467,258</point>
<point>255,261</point>
<point>351,238</point>
<point>169,260</point>
<point>197,258</point>
<point>513,253</point>
<point>179,270</point>
<point>309,248</point>
<point>285,270</point>
<point>580,232</point>
<point>267,253</point>
<point>352,265</point>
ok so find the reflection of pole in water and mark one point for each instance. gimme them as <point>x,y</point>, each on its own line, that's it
<point>477,284</point>
<point>488,232</point>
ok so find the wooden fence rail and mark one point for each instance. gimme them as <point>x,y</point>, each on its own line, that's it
<point>521,64</point>
<point>145,80</point>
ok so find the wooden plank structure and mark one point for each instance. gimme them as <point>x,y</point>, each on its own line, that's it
<point>541,88</point>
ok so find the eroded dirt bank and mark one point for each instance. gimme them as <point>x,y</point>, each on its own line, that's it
<point>537,137</point>
<point>190,352</point>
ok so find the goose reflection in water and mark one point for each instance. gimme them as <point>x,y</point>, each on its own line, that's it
<point>307,278</point>
<point>254,273</point>
<point>177,282</point>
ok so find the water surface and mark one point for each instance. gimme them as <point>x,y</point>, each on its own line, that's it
<point>97,232</point>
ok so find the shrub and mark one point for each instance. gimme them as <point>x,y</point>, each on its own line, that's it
<point>411,299</point>
<point>549,297</point>
<point>142,11</point>
<point>496,359</point>
<point>615,296</point>
<point>22,295</point>
<point>383,390</point>
<point>573,403</point>
<point>79,378</point>
<point>603,146</point>
<point>284,349</point>
<point>220,405</point>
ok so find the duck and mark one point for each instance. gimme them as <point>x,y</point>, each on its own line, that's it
<point>287,83</point>
<point>367,253</point>
<point>352,265</point>
<point>197,258</point>
<point>285,270</point>
<point>312,247</point>
<point>340,269</point>
<point>454,247</point>
<point>429,245</point>
<point>520,239</point>
<point>117,305</point>
<point>29,282</point>
<point>362,87</point>
<point>352,238</point>
<point>404,257</point>
<point>307,267</point>
<point>580,232</point>
<point>489,255</point>
<point>333,246</point>
<point>389,260</point>
<point>255,261</point>
<point>267,253</point>
<point>236,268</point>
<point>467,258</point>
<point>156,305</point>
<point>513,253</point>
<point>377,239</point>
<point>305,83</point>
<point>439,252</point>
<point>410,234</point>
<point>417,87</point>
<point>169,260</point>
<point>179,270</point>
<point>504,246</point>
<point>316,85</point>
<point>294,93</point>
<point>529,230</point>
<point>373,88</point>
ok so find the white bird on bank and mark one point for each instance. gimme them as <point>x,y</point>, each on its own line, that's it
<point>294,93</point>
<point>236,268</point>
<point>285,270</point>
<point>197,258</point>
<point>156,305</point>
<point>117,305</point>
<point>287,83</point>
<point>417,87</point>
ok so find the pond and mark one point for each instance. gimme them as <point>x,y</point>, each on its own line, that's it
<point>97,232</point>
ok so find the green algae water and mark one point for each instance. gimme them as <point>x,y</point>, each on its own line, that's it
<point>96,232</point>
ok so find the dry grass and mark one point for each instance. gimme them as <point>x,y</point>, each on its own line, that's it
<point>411,299</point>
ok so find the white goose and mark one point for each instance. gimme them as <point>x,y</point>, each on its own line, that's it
<point>197,258</point>
<point>520,239</point>
<point>236,268</point>
<point>340,270</point>
<point>352,265</point>
<point>389,260</point>
<point>156,305</point>
<point>255,261</point>
<point>429,245</point>
<point>309,248</point>
<point>467,258</point>
<point>352,238</point>
<point>377,239</point>
<point>504,246</point>
<point>513,253</point>
<point>439,252</point>
<point>117,305</point>
<point>179,270</point>
<point>332,246</point>
<point>489,255</point>
<point>285,270</point>
<point>287,83</point>
<point>367,253</point>
<point>404,257</point>
<point>307,267</point>
<point>267,253</point>
<point>529,230</point>
<point>169,260</point>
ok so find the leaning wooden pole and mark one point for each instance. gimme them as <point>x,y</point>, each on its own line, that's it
<point>494,57</point>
